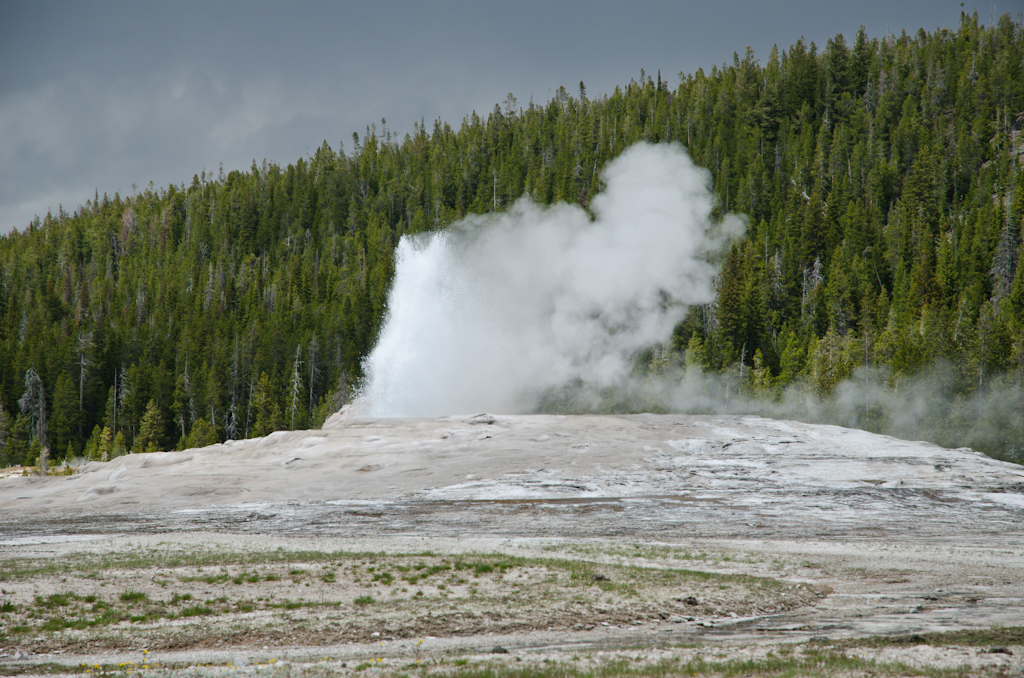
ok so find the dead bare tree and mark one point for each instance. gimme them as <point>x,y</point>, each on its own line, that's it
<point>33,406</point>
<point>296,382</point>
<point>314,369</point>
<point>84,343</point>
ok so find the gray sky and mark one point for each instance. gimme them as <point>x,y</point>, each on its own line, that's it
<point>100,95</point>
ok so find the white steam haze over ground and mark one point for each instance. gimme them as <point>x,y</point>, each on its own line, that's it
<point>492,312</point>
<point>547,308</point>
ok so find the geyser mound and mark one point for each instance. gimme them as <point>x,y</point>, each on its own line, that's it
<point>490,313</point>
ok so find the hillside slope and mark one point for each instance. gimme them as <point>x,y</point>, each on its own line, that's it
<point>881,180</point>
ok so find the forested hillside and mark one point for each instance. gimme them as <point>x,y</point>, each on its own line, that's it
<point>880,175</point>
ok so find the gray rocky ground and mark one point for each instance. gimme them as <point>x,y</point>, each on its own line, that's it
<point>572,542</point>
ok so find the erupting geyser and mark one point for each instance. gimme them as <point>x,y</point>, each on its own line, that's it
<point>491,312</point>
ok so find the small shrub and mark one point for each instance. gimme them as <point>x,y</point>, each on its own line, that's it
<point>132,597</point>
<point>54,600</point>
<point>196,611</point>
<point>364,600</point>
<point>55,624</point>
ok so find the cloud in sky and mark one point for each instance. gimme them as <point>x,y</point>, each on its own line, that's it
<point>98,96</point>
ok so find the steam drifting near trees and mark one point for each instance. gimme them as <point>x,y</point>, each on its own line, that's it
<point>500,308</point>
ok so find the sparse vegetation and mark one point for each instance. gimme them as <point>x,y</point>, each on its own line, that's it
<point>996,636</point>
<point>783,663</point>
<point>468,592</point>
<point>133,597</point>
<point>196,611</point>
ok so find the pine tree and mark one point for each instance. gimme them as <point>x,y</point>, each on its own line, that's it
<point>180,406</point>
<point>92,446</point>
<point>5,431</point>
<point>150,430</point>
<point>793,359</point>
<point>119,447</point>
<point>66,419</point>
<point>18,442</point>
<point>730,308</point>
<point>106,445</point>
<point>696,353</point>
<point>202,434</point>
<point>268,412</point>
<point>35,455</point>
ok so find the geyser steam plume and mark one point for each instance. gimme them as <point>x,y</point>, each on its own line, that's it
<point>495,310</point>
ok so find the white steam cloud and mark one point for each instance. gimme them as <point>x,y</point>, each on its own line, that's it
<point>499,308</point>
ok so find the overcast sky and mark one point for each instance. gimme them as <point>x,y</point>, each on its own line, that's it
<point>98,95</point>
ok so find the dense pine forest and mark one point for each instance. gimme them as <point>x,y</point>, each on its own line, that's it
<point>880,176</point>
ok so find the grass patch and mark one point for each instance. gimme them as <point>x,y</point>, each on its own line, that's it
<point>809,666</point>
<point>654,591</point>
<point>997,635</point>
<point>196,611</point>
<point>55,624</point>
<point>55,600</point>
<point>210,578</point>
<point>133,597</point>
<point>478,564</point>
<point>146,558</point>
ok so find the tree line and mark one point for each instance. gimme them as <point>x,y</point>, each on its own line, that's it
<point>881,179</point>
